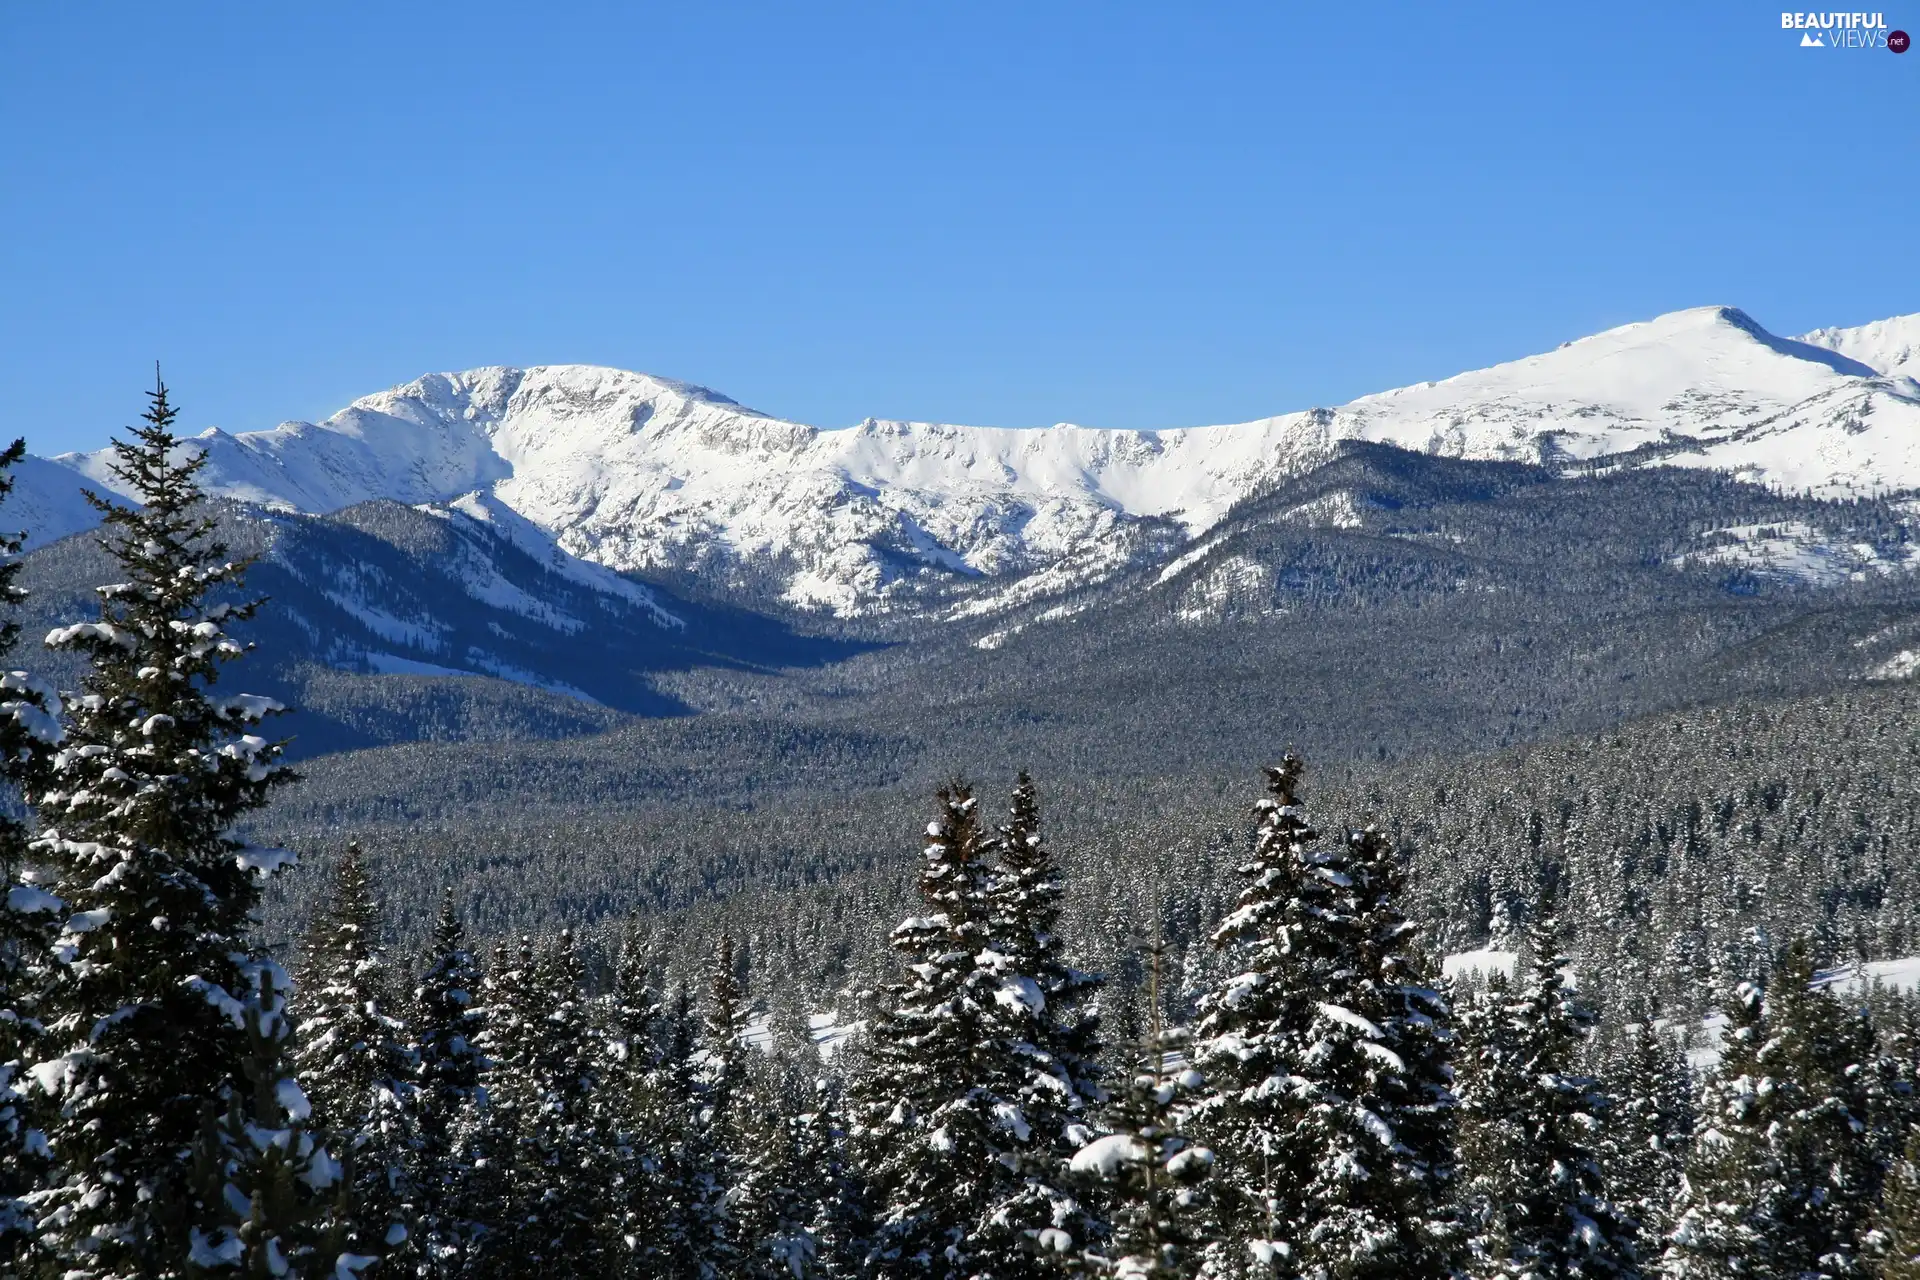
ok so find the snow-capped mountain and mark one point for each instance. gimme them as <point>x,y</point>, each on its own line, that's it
<point>634,472</point>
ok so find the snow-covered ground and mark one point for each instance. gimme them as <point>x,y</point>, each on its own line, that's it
<point>1796,551</point>
<point>630,471</point>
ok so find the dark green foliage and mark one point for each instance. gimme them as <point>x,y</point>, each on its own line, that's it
<point>355,1054</point>
<point>446,1024</point>
<point>1536,1200</point>
<point>930,1131</point>
<point>1649,1131</point>
<point>1895,1240</point>
<point>148,1019</point>
<point>1146,1175</point>
<point>1254,1028</point>
<point>28,732</point>
<point>1049,1037</point>
<point>561,1165</point>
<point>1330,1107</point>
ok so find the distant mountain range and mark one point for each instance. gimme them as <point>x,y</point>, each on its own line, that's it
<point>594,473</point>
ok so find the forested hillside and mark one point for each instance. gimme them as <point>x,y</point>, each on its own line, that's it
<point>1105,935</point>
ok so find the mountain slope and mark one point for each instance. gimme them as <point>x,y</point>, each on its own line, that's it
<point>644,474</point>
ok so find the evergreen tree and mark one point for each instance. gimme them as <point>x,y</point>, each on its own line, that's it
<point>1785,1176</point>
<point>1650,1130</point>
<point>1379,1124</point>
<point>1724,1212</point>
<point>147,1016</point>
<point>281,1203</point>
<point>1896,1234</point>
<point>1050,1039</point>
<point>1821,1055</point>
<point>1351,1124</point>
<point>774,1198</point>
<point>355,1054</point>
<point>448,1081</point>
<point>723,1043</point>
<point>1151,1175</point>
<point>1255,1028</point>
<point>29,730</point>
<point>489,1141</point>
<point>694,1240</point>
<point>840,1226</point>
<point>937,1140</point>
<point>1532,1128</point>
<point>562,1165</point>
<point>632,1114</point>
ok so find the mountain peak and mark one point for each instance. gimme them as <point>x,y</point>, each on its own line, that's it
<point>638,472</point>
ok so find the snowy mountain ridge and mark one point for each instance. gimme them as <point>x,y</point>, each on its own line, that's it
<point>634,472</point>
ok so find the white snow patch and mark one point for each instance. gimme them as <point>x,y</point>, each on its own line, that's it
<point>1480,965</point>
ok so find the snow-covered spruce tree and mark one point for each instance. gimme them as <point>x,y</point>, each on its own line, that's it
<point>1784,1176</point>
<point>282,1205</point>
<point>1649,1131</point>
<point>1378,1129</point>
<point>1821,1056</point>
<point>1349,1126</point>
<point>631,1114</point>
<point>1149,1177</point>
<point>1895,1237</point>
<point>29,728</point>
<point>937,1140</point>
<point>148,1016</point>
<point>1532,1125</point>
<point>562,1169</point>
<point>1050,1038</point>
<point>840,1227</point>
<point>1725,1209</point>
<point>446,1024</point>
<point>354,1054</point>
<point>723,1040</point>
<point>488,1141</point>
<point>773,1201</point>
<point>1255,1028</point>
<point>692,1240</point>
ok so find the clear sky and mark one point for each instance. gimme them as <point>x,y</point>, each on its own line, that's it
<point>1012,214</point>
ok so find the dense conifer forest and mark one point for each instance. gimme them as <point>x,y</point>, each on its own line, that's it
<point>766,996</point>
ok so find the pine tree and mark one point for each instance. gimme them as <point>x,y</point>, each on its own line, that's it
<point>1255,1028</point>
<point>1049,1037</point>
<point>1533,1125</point>
<point>632,1114</point>
<point>1724,1212</point>
<point>770,1201</point>
<point>449,1091</point>
<point>282,1204</point>
<point>1785,1178</point>
<point>1821,1056</point>
<point>29,730</point>
<point>937,1140</point>
<point>1650,1131</point>
<point>1349,1121</point>
<point>1151,1175</point>
<point>1896,1233</point>
<point>840,1226</point>
<point>693,1240</point>
<point>489,1142</point>
<point>1378,1130</point>
<point>562,1164</point>
<point>147,1016</point>
<point>723,1043</point>
<point>355,1054</point>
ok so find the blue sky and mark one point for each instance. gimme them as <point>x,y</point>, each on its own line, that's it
<point>1014,214</point>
